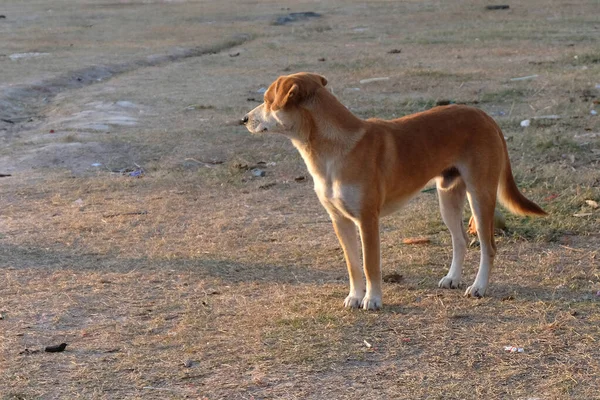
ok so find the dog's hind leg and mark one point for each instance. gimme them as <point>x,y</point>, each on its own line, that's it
<point>347,234</point>
<point>451,194</point>
<point>483,204</point>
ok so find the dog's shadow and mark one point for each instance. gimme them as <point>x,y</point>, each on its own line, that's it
<point>498,294</point>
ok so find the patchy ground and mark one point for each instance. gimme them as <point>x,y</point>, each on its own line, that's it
<point>132,229</point>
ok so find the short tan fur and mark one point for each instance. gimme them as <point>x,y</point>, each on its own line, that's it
<point>366,169</point>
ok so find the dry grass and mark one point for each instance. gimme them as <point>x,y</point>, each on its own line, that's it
<point>199,281</point>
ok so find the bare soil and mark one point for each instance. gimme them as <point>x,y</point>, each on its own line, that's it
<point>132,229</point>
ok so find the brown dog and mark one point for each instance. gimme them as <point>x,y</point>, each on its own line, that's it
<point>366,169</point>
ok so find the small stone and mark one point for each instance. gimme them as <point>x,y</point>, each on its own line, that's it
<point>369,80</point>
<point>592,203</point>
<point>56,349</point>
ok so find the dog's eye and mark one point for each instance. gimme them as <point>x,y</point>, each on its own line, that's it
<point>269,104</point>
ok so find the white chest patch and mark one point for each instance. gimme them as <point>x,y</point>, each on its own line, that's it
<point>335,196</point>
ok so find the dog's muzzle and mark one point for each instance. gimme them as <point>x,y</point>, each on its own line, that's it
<point>251,127</point>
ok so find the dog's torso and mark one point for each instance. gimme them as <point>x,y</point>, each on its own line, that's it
<point>384,167</point>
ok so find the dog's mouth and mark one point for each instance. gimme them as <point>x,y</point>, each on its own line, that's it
<point>252,126</point>
<point>257,130</point>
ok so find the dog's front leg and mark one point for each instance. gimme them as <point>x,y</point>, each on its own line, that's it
<point>345,229</point>
<point>369,234</point>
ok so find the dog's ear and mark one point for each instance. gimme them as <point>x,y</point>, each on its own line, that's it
<point>294,89</point>
<point>319,79</point>
<point>292,94</point>
<point>282,93</point>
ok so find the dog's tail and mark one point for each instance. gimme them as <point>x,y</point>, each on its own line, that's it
<point>509,194</point>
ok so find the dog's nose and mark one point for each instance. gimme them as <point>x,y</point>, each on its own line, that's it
<point>245,120</point>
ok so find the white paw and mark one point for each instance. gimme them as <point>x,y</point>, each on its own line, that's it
<point>449,282</point>
<point>352,301</point>
<point>476,290</point>
<point>371,302</point>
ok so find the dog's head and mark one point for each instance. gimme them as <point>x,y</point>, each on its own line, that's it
<point>281,110</point>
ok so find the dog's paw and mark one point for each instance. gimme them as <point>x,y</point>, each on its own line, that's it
<point>371,303</point>
<point>449,282</point>
<point>476,290</point>
<point>352,301</point>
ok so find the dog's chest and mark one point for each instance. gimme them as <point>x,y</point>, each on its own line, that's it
<point>335,195</point>
<point>338,197</point>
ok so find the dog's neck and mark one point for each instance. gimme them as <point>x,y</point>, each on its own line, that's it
<point>329,131</point>
<point>328,127</point>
